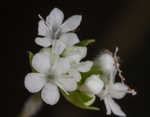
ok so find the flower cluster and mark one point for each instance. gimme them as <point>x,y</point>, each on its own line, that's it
<point>58,67</point>
<point>107,89</point>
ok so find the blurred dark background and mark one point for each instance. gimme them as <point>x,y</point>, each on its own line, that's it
<point>123,23</point>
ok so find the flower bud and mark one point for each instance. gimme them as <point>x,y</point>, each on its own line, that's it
<point>93,84</point>
<point>106,63</point>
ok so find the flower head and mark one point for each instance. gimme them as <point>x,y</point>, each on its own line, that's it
<point>59,65</point>
<point>52,72</point>
<point>53,28</point>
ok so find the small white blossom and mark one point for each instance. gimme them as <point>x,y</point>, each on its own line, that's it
<point>92,85</point>
<point>112,90</point>
<point>52,73</point>
<point>53,28</point>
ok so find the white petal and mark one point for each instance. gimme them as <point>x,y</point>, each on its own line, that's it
<point>58,47</point>
<point>66,83</point>
<point>69,39</point>
<point>61,66</point>
<point>34,82</point>
<point>108,109</point>
<point>83,66</point>
<point>75,54</point>
<point>55,17</point>
<point>44,42</point>
<point>119,90</point>
<point>116,108</point>
<point>50,94</point>
<point>93,84</point>
<point>71,23</point>
<point>75,75</point>
<point>42,28</point>
<point>41,62</point>
<point>46,51</point>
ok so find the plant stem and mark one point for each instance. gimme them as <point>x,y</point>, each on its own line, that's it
<point>31,106</point>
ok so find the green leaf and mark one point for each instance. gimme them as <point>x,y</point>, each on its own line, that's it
<point>30,54</point>
<point>80,99</point>
<point>94,70</point>
<point>85,42</point>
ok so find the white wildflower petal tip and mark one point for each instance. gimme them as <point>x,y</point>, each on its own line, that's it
<point>119,90</point>
<point>82,51</point>
<point>75,54</point>
<point>108,108</point>
<point>42,28</point>
<point>55,17</point>
<point>50,94</point>
<point>85,66</point>
<point>71,23</point>
<point>75,75</point>
<point>44,42</point>
<point>34,82</point>
<point>66,83</point>
<point>41,62</point>
<point>116,108</point>
<point>69,39</point>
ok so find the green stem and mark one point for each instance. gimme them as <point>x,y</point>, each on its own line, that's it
<point>31,106</point>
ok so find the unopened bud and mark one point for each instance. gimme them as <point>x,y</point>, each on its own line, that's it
<point>93,84</point>
<point>106,62</point>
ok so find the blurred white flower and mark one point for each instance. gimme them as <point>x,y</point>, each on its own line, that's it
<point>106,62</point>
<point>111,90</point>
<point>52,73</point>
<point>53,28</point>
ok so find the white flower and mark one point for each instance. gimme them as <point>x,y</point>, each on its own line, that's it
<point>112,90</point>
<point>93,85</point>
<point>52,73</point>
<point>75,54</point>
<point>54,28</point>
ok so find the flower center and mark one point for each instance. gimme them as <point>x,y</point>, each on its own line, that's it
<point>56,32</point>
<point>50,77</point>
